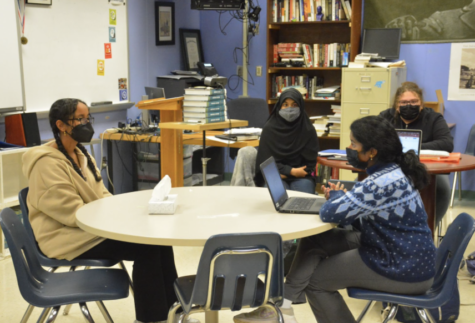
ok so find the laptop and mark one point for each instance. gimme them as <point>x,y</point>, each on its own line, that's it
<point>282,202</point>
<point>411,139</point>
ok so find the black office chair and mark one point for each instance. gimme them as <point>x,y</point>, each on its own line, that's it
<point>469,150</point>
<point>55,263</point>
<point>254,110</point>
<point>235,271</point>
<point>51,290</point>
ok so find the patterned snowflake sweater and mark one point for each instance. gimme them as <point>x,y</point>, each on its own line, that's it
<point>396,241</point>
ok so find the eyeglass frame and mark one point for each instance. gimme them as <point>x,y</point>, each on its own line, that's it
<point>412,102</point>
<point>90,119</point>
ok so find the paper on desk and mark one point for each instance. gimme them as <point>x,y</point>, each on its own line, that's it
<point>236,131</point>
<point>179,77</point>
<point>227,142</point>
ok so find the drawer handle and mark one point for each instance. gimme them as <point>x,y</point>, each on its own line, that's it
<point>364,88</point>
<point>364,111</point>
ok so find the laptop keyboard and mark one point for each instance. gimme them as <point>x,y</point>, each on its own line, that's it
<point>300,204</point>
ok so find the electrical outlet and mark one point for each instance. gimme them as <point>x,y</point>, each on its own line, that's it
<point>258,70</point>
<point>254,29</point>
<point>239,70</point>
<point>104,163</point>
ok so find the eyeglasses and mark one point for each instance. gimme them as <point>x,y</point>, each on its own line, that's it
<point>84,121</point>
<point>413,102</point>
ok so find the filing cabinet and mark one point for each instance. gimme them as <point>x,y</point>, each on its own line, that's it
<point>366,91</point>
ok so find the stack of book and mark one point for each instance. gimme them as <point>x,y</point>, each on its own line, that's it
<point>204,105</point>
<point>334,121</point>
<point>320,124</point>
<point>288,51</point>
<point>328,93</point>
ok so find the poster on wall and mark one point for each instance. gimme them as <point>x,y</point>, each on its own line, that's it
<point>424,21</point>
<point>462,72</point>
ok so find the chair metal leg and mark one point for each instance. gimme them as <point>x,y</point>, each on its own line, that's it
<point>27,314</point>
<point>104,312</point>
<point>425,316</point>
<point>276,308</point>
<point>454,184</point>
<point>52,314</point>
<point>460,185</point>
<point>44,315</point>
<point>172,312</point>
<point>392,313</point>
<point>85,312</point>
<point>366,309</point>
<point>131,284</point>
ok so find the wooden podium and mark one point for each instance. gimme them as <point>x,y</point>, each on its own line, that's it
<point>171,150</point>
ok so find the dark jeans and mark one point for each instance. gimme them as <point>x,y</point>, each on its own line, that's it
<point>153,275</point>
<point>305,185</point>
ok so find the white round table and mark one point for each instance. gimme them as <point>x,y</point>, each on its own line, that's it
<point>201,213</point>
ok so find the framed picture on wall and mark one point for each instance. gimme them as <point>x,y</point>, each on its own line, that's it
<point>45,2</point>
<point>164,23</point>
<point>191,49</point>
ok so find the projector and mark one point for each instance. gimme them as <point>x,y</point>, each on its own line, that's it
<point>216,81</point>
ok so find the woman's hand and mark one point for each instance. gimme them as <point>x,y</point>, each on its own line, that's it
<point>283,176</point>
<point>332,187</point>
<point>299,172</point>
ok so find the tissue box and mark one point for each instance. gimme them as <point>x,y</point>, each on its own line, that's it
<point>167,206</point>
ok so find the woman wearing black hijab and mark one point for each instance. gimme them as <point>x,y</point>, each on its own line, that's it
<point>291,139</point>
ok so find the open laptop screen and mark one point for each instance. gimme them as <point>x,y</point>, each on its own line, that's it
<point>274,182</point>
<point>410,139</point>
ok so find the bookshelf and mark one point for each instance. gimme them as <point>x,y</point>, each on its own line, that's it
<point>312,32</point>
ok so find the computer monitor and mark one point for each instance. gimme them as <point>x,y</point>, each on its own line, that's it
<point>155,92</point>
<point>386,42</point>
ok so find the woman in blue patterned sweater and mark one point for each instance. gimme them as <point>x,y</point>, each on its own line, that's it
<point>393,250</point>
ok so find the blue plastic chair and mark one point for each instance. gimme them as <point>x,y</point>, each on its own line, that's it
<point>448,258</point>
<point>55,263</point>
<point>51,290</point>
<point>235,271</point>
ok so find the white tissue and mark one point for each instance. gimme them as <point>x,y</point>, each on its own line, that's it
<point>161,201</point>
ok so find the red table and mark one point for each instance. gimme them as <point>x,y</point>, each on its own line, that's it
<point>467,162</point>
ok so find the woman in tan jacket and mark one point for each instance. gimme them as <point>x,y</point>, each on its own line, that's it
<point>62,177</point>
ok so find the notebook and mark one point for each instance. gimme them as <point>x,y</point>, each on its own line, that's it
<point>282,202</point>
<point>410,139</point>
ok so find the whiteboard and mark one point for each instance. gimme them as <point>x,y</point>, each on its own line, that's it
<point>11,87</point>
<point>65,42</point>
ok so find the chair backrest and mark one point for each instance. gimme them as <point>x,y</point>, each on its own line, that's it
<point>30,275</point>
<point>450,254</point>
<point>254,110</point>
<point>235,273</point>
<point>24,213</point>
<point>470,149</point>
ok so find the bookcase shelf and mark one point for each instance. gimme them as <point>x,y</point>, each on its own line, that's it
<point>313,32</point>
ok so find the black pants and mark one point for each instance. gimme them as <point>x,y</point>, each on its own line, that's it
<point>153,275</point>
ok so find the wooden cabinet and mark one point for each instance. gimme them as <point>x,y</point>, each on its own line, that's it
<point>368,91</point>
<point>312,32</point>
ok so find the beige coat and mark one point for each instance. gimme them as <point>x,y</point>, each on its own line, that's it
<point>56,192</point>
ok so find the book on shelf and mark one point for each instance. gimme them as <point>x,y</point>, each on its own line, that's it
<point>204,109</point>
<point>202,115</point>
<point>329,89</point>
<point>203,103</point>
<point>188,97</point>
<point>345,9</point>
<point>204,120</point>
<point>204,90</point>
<point>348,8</point>
<point>307,55</point>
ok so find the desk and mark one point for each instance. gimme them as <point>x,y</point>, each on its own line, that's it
<point>188,139</point>
<point>201,213</point>
<point>467,162</point>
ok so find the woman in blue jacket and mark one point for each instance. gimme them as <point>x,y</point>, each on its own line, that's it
<point>392,252</point>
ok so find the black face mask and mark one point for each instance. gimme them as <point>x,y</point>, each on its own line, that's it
<point>353,159</point>
<point>82,133</point>
<point>409,112</point>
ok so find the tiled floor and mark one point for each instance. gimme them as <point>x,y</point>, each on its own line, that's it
<point>12,305</point>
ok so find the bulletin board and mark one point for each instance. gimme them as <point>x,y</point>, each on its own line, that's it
<point>76,49</point>
<point>11,85</point>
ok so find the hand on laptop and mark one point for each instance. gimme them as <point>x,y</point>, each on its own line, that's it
<point>332,187</point>
<point>299,172</point>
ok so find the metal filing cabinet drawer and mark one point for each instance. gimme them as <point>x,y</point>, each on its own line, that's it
<point>365,86</point>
